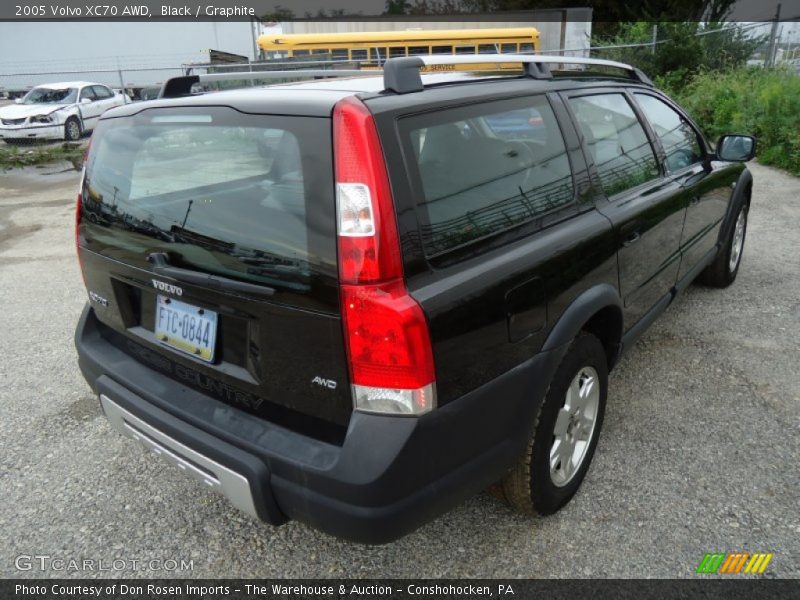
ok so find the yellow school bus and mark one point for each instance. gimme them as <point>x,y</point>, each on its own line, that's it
<point>375,47</point>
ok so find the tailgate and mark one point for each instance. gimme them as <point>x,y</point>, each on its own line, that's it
<point>207,238</point>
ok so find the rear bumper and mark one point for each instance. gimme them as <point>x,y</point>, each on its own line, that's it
<point>391,474</point>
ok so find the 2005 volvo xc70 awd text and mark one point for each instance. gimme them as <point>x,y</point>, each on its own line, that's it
<point>357,301</point>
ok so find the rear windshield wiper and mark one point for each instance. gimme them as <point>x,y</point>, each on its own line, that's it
<point>161,266</point>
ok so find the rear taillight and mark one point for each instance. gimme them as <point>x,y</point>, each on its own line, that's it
<point>388,343</point>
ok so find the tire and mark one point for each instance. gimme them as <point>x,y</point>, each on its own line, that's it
<point>72,130</point>
<point>722,272</point>
<point>539,484</point>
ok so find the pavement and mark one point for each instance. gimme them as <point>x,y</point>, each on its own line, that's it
<point>699,450</point>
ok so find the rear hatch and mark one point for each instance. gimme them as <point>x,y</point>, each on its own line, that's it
<point>208,243</point>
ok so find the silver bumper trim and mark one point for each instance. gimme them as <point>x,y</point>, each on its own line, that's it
<point>234,486</point>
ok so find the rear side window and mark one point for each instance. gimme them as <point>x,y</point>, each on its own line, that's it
<point>486,169</point>
<point>523,124</point>
<point>616,141</point>
<point>247,197</point>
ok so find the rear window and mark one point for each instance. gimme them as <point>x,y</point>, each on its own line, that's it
<point>487,169</point>
<point>243,196</point>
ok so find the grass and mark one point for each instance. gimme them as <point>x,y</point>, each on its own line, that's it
<point>755,101</point>
<point>12,157</point>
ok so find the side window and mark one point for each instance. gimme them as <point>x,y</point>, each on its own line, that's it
<point>88,92</point>
<point>509,48</point>
<point>359,53</point>
<point>523,124</point>
<point>102,92</point>
<point>487,169</point>
<point>677,137</point>
<point>616,141</point>
<point>442,50</point>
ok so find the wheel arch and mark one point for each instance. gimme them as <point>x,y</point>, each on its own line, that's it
<point>598,311</point>
<point>741,194</point>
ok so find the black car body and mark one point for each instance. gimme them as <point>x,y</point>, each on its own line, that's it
<point>396,274</point>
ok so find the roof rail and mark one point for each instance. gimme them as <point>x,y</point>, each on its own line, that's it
<point>402,74</point>
<point>176,87</point>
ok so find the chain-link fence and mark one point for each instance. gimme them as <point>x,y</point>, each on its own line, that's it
<point>780,45</point>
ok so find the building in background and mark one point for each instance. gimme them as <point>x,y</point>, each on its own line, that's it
<point>130,54</point>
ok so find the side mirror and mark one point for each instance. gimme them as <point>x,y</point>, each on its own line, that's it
<point>17,100</point>
<point>738,148</point>
<point>86,101</point>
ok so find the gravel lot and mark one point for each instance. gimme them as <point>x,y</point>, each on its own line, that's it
<point>699,451</point>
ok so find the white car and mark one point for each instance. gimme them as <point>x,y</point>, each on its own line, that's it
<point>57,111</point>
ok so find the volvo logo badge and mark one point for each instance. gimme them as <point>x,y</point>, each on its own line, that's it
<point>167,287</point>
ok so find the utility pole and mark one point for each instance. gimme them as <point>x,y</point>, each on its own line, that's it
<point>254,34</point>
<point>655,38</point>
<point>770,61</point>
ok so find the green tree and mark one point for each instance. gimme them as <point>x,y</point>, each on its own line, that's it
<point>396,7</point>
<point>683,49</point>
<point>279,13</point>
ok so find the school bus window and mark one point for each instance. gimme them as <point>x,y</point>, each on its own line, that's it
<point>359,54</point>
<point>442,50</point>
<point>339,53</point>
<point>397,51</point>
<point>417,50</point>
<point>301,53</point>
<point>465,49</point>
<point>526,47</point>
<point>487,49</point>
<point>320,51</point>
<point>509,48</point>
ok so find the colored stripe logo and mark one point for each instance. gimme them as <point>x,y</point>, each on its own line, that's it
<point>735,562</point>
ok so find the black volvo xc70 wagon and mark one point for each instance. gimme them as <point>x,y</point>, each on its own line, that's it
<point>357,301</point>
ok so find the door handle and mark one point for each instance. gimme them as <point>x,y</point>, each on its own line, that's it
<point>631,238</point>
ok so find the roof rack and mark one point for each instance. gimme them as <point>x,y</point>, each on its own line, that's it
<point>176,87</point>
<point>402,75</point>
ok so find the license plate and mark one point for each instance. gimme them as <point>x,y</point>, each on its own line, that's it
<point>186,328</point>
